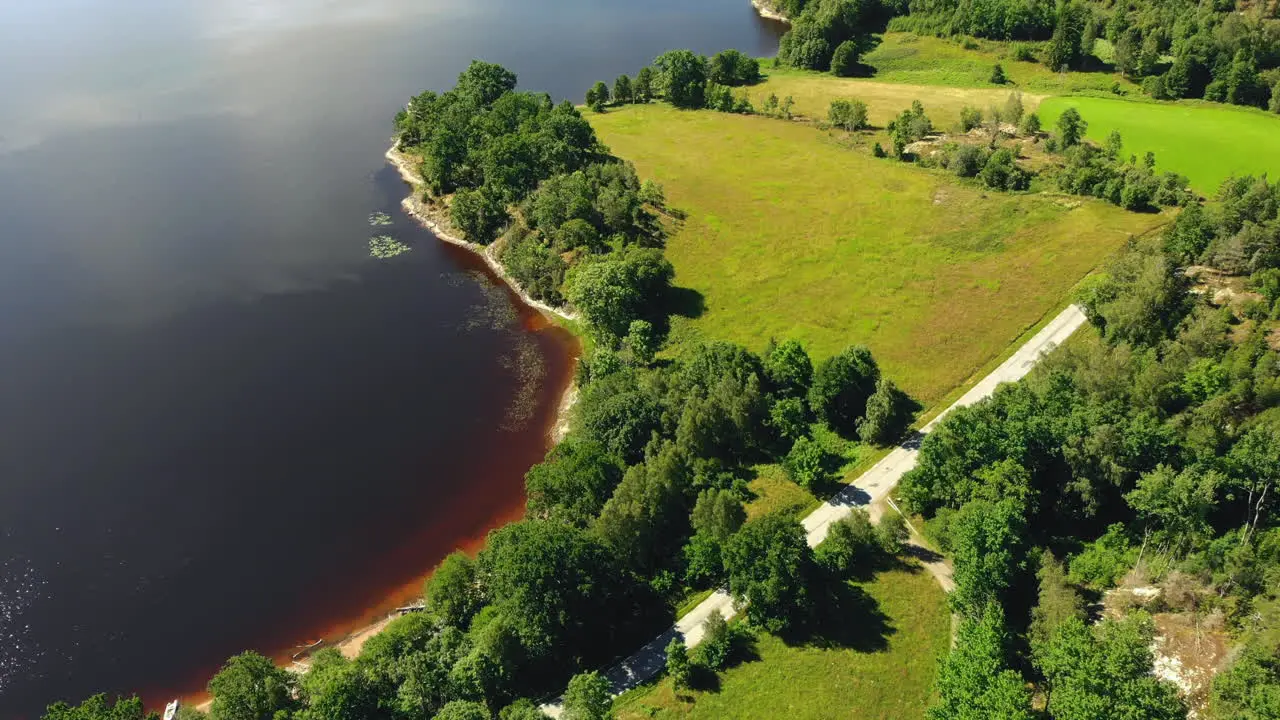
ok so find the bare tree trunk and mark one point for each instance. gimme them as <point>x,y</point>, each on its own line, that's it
<point>1257,513</point>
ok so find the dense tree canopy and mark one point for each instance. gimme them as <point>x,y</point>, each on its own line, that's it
<point>250,687</point>
<point>770,566</point>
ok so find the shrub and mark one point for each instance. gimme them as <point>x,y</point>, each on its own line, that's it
<point>480,214</point>
<point>850,543</point>
<point>844,62</point>
<point>1001,172</point>
<point>1154,86</point>
<point>997,75</point>
<point>878,151</point>
<point>889,411</point>
<point>970,118</point>
<point>892,533</point>
<point>966,161</point>
<point>1030,125</point>
<point>1022,52</point>
<point>848,115</point>
<point>717,642</point>
<point>733,67</point>
<point>678,665</point>
<point>805,463</point>
<point>719,97</point>
<point>1105,560</point>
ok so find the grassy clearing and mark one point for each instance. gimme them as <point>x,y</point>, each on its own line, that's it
<point>905,627</point>
<point>943,74</point>
<point>813,93</point>
<point>775,492</point>
<point>1207,142</point>
<point>791,235</point>
<point>926,60</point>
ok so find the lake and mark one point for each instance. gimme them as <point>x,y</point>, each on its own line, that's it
<point>223,425</point>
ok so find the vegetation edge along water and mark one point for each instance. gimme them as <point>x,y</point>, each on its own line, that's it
<point>643,503</point>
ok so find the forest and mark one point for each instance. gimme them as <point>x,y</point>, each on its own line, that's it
<point>640,507</point>
<point>1151,450</point>
<point>1148,447</point>
<point>1222,51</point>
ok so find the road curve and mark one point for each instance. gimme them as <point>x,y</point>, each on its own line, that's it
<point>867,490</point>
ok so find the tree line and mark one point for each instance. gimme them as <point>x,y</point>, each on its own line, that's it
<point>1220,51</point>
<point>686,80</point>
<point>1155,445</point>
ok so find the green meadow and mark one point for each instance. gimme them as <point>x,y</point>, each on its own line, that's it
<point>879,667</point>
<point>925,60</point>
<point>1207,142</point>
<point>789,234</point>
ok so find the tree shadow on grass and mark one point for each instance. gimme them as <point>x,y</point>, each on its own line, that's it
<point>844,616</point>
<point>685,302</point>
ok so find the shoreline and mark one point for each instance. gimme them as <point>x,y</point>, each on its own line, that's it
<point>431,220</point>
<point>558,427</point>
<point>769,13</point>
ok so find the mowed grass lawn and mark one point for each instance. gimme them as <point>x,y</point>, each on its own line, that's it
<point>791,235</point>
<point>1207,142</point>
<point>823,681</point>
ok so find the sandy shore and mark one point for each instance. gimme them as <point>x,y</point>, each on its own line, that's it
<point>767,12</point>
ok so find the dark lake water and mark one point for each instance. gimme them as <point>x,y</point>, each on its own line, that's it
<point>222,424</point>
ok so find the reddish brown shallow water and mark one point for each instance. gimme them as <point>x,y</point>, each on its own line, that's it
<point>223,425</point>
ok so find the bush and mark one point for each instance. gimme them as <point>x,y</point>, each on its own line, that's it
<point>966,161</point>
<point>717,642</point>
<point>1104,561</point>
<point>480,214</point>
<point>848,115</point>
<point>889,411</point>
<point>1030,124</point>
<point>678,666</point>
<point>1022,52</point>
<point>878,151</point>
<point>851,543</point>
<point>1002,172</point>
<point>892,533</point>
<point>997,75</point>
<point>1154,86</point>
<point>805,464</point>
<point>970,118</point>
<point>719,97</point>
<point>733,68</point>
<point>841,386</point>
<point>844,62</point>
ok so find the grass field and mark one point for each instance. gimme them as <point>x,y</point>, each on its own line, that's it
<point>813,93</point>
<point>925,60</point>
<point>790,235</point>
<point>883,674</point>
<point>1207,142</point>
